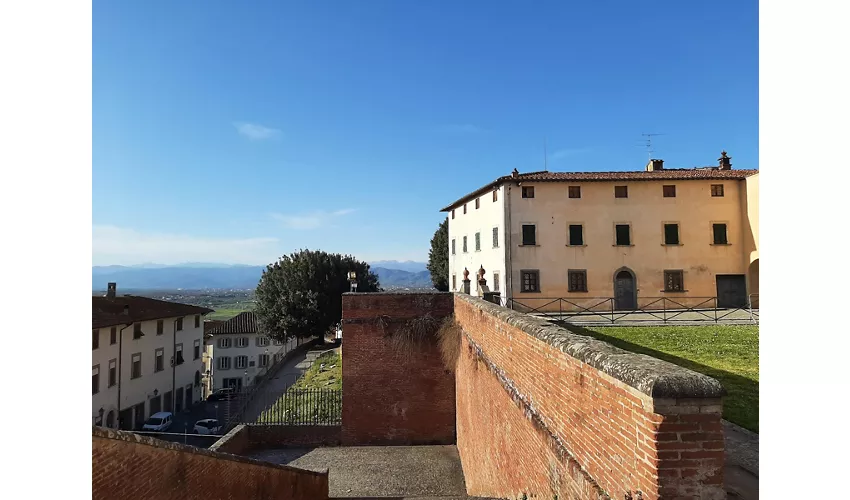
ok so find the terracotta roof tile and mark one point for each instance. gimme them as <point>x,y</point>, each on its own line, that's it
<point>245,322</point>
<point>683,174</point>
<point>107,311</point>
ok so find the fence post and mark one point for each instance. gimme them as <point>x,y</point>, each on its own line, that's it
<point>560,310</point>
<point>715,309</point>
<point>612,311</point>
<point>664,309</point>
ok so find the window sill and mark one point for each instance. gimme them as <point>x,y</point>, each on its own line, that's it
<point>576,245</point>
<point>720,244</point>
<point>535,245</point>
<point>672,245</point>
<point>577,291</point>
<point>674,291</point>
<point>630,245</point>
<point>526,291</point>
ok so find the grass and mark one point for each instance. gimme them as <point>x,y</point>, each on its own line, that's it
<point>729,353</point>
<point>224,314</point>
<point>294,406</point>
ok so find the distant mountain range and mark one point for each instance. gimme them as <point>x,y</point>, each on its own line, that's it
<point>201,276</point>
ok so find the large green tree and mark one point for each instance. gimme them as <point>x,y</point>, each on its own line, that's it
<point>438,257</point>
<point>301,293</point>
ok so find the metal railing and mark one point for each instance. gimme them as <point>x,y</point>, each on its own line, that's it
<point>647,309</point>
<point>302,407</point>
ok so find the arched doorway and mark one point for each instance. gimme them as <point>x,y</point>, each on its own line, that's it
<point>625,289</point>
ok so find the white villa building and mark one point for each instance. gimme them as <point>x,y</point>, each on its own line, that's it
<point>237,352</point>
<point>146,357</point>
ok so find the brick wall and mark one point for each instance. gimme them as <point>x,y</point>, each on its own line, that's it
<point>545,412</point>
<point>126,465</point>
<point>391,397</point>
<point>244,438</point>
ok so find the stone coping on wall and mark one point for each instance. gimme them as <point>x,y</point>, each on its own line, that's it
<point>651,376</point>
<point>398,292</point>
<point>130,437</point>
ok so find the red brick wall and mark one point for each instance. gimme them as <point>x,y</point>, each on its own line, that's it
<point>125,465</point>
<point>541,411</point>
<point>391,398</point>
<point>244,439</point>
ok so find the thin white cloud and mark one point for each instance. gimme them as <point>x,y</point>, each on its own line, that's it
<point>310,220</point>
<point>462,129</point>
<point>256,132</point>
<point>566,153</point>
<point>123,246</point>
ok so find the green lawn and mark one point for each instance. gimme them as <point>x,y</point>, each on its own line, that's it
<point>302,402</point>
<point>729,353</point>
<point>225,313</point>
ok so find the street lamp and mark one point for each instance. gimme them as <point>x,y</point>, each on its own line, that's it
<point>352,278</point>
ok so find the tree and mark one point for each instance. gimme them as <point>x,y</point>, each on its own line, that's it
<point>438,257</point>
<point>301,293</point>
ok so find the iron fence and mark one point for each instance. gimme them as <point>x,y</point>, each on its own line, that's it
<point>605,310</point>
<point>302,407</point>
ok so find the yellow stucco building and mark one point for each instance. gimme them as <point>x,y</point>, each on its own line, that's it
<point>688,235</point>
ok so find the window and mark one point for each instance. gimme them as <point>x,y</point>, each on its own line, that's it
<point>196,349</point>
<point>241,362</point>
<point>477,203</point>
<point>278,357</point>
<point>137,331</point>
<point>530,281</point>
<point>113,372</point>
<point>574,191</point>
<point>178,355</point>
<point>621,191</point>
<point>496,195</point>
<point>668,191</point>
<point>495,237</point>
<point>113,335</point>
<point>224,342</point>
<point>671,234</point>
<point>719,231</point>
<point>464,244</point>
<point>263,360</point>
<point>159,363</point>
<point>454,281</point>
<point>262,341</point>
<point>160,327</point>
<point>95,339</point>
<point>453,213</point>
<point>495,282</point>
<point>242,342</point>
<point>577,280</point>
<point>717,190</point>
<point>277,342</point>
<point>477,242</point>
<point>136,365</point>
<point>464,208</point>
<point>224,363</point>
<point>197,321</point>
<point>674,281</point>
<point>576,235</point>
<point>528,191</point>
<point>95,379</point>
<point>529,234</point>
<point>623,232</point>
<point>179,324</point>
<point>453,246</point>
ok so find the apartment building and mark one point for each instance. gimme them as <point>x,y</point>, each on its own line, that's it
<point>629,236</point>
<point>146,357</point>
<point>239,351</point>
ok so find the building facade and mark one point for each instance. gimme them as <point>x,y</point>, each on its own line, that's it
<point>633,237</point>
<point>238,352</point>
<point>146,357</point>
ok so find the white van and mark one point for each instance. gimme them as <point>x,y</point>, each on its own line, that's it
<point>159,422</point>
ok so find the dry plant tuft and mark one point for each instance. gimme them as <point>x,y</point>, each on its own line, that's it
<point>411,336</point>
<point>449,340</point>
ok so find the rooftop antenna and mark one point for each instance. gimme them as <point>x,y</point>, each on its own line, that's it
<point>649,150</point>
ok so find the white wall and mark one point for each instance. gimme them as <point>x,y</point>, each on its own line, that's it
<point>141,390</point>
<point>252,351</point>
<point>490,214</point>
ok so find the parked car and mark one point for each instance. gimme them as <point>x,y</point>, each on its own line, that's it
<point>221,394</point>
<point>159,422</point>
<point>207,426</point>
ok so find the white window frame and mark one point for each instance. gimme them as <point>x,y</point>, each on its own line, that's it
<point>241,360</point>
<point>242,342</point>
<point>262,341</point>
<point>263,360</point>
<point>225,342</point>
<point>224,363</point>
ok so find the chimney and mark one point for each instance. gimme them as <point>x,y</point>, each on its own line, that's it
<point>654,165</point>
<point>110,290</point>
<point>725,161</point>
<point>515,173</point>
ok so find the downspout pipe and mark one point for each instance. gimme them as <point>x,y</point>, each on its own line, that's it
<point>120,342</point>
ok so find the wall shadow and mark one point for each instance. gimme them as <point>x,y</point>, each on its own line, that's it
<point>740,406</point>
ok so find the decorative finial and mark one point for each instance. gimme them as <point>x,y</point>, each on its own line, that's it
<point>481,272</point>
<point>465,273</point>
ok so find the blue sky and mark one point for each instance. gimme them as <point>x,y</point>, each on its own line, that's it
<point>236,132</point>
